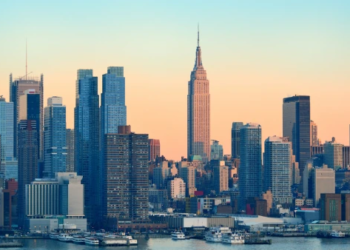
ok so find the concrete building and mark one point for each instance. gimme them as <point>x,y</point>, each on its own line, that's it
<point>154,149</point>
<point>55,145</point>
<point>295,172</point>
<point>18,87</point>
<point>198,111</point>
<point>125,185</point>
<point>176,189</point>
<point>188,174</point>
<point>221,178</point>
<point>335,207</point>
<point>277,167</point>
<point>217,152</point>
<point>160,175</point>
<point>333,154</point>
<point>324,182</point>
<point>235,139</point>
<point>346,157</point>
<point>313,134</point>
<point>249,173</point>
<point>86,139</point>
<point>308,179</point>
<point>70,150</point>
<point>296,126</point>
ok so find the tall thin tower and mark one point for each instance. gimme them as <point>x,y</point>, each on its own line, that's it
<point>198,110</point>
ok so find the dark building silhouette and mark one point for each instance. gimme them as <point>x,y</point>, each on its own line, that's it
<point>235,140</point>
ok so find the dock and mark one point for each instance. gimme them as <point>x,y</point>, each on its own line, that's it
<point>10,244</point>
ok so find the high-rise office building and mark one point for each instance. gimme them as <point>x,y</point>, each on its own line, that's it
<point>154,149</point>
<point>176,189</point>
<point>28,146</point>
<point>235,139</point>
<point>324,182</point>
<point>333,154</point>
<point>346,157</point>
<point>17,89</point>
<point>249,174</point>
<point>55,146</point>
<point>296,126</point>
<point>277,168</point>
<point>313,134</point>
<point>188,174</point>
<point>160,174</point>
<point>198,111</point>
<point>217,152</point>
<point>86,130</point>
<point>125,191</point>
<point>70,150</point>
<point>9,167</point>
<point>220,178</point>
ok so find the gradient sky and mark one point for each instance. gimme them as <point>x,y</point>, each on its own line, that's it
<point>255,53</point>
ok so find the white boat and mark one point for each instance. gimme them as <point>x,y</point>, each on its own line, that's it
<point>130,239</point>
<point>215,234</point>
<point>78,239</point>
<point>178,235</point>
<point>337,234</point>
<point>230,238</point>
<point>65,237</point>
<point>91,241</point>
<point>53,236</point>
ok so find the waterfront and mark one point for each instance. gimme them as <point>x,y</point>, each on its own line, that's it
<point>169,244</point>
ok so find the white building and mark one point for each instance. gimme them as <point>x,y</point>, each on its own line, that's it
<point>177,188</point>
<point>324,182</point>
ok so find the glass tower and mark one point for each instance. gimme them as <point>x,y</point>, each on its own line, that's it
<point>235,139</point>
<point>250,175</point>
<point>296,126</point>
<point>55,147</point>
<point>86,129</point>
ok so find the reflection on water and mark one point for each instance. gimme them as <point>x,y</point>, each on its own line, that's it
<point>169,244</point>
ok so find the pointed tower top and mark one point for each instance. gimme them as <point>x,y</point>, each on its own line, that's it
<point>198,37</point>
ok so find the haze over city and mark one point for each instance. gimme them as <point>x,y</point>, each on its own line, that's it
<point>255,54</point>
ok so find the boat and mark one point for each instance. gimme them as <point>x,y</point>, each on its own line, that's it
<point>337,234</point>
<point>53,236</point>
<point>131,241</point>
<point>78,239</point>
<point>92,241</point>
<point>230,238</point>
<point>178,235</point>
<point>65,237</point>
<point>215,234</point>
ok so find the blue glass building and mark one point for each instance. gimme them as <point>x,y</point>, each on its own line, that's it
<point>86,129</point>
<point>55,147</point>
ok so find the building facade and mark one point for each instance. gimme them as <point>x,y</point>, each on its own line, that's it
<point>313,134</point>
<point>70,150</point>
<point>333,154</point>
<point>235,139</point>
<point>86,139</point>
<point>221,178</point>
<point>198,111</point>
<point>324,182</point>
<point>154,149</point>
<point>217,152</point>
<point>55,145</point>
<point>296,126</point>
<point>249,174</point>
<point>277,169</point>
<point>176,189</point>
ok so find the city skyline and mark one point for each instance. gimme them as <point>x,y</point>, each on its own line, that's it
<point>290,59</point>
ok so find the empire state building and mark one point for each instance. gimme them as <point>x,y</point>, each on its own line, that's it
<point>198,111</point>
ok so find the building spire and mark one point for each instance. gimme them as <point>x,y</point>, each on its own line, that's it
<point>198,37</point>
<point>26,62</point>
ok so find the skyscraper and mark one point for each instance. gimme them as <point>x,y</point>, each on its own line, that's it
<point>296,126</point>
<point>313,134</point>
<point>217,152</point>
<point>277,168</point>
<point>333,154</point>
<point>125,193</point>
<point>55,146</point>
<point>249,175</point>
<point>220,178</point>
<point>324,182</point>
<point>27,159</point>
<point>154,149</point>
<point>235,139</point>
<point>17,88</point>
<point>86,129</point>
<point>70,150</point>
<point>198,111</point>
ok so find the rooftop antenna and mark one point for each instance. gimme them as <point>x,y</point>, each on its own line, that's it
<point>26,62</point>
<point>198,36</point>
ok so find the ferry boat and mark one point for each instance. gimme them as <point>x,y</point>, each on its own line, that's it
<point>131,241</point>
<point>78,239</point>
<point>337,234</point>
<point>230,238</point>
<point>178,235</point>
<point>65,237</point>
<point>215,234</point>
<point>53,236</point>
<point>92,241</point>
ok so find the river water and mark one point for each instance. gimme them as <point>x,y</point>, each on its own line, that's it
<point>169,244</point>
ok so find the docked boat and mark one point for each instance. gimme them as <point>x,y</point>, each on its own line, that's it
<point>215,234</point>
<point>78,239</point>
<point>53,236</point>
<point>178,235</point>
<point>92,241</point>
<point>65,237</point>
<point>131,240</point>
<point>337,234</point>
<point>230,238</point>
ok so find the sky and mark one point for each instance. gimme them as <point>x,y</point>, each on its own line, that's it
<point>255,54</point>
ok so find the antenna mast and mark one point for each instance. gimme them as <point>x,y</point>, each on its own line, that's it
<point>26,62</point>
